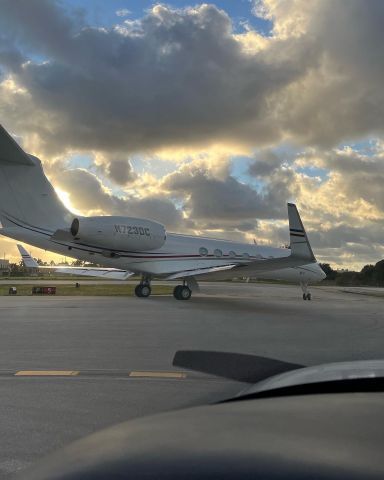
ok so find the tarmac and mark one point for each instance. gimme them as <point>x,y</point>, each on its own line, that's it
<point>70,366</point>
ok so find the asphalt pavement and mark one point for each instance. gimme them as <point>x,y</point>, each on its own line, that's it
<point>70,366</point>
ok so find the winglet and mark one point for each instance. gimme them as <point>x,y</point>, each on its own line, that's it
<point>29,262</point>
<point>300,246</point>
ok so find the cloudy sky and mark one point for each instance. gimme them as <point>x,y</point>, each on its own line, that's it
<point>206,117</point>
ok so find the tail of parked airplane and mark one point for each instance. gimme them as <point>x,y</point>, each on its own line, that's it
<point>300,246</point>
<point>26,196</point>
<point>28,261</point>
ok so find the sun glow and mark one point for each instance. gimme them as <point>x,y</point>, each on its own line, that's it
<point>66,200</point>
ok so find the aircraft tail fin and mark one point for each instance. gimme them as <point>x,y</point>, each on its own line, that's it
<point>300,246</point>
<point>10,150</point>
<point>28,261</point>
<point>26,196</point>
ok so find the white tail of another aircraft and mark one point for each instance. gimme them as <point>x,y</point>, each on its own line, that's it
<point>27,258</point>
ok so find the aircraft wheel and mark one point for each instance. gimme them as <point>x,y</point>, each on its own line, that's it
<point>176,292</point>
<point>182,292</point>
<point>143,290</point>
<point>308,296</point>
<point>185,293</point>
<point>138,290</point>
<point>304,296</point>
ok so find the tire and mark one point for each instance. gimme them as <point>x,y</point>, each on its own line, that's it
<point>308,296</point>
<point>138,291</point>
<point>185,293</point>
<point>182,292</point>
<point>145,291</point>
<point>176,292</point>
<point>304,296</point>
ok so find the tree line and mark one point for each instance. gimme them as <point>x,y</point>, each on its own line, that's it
<point>19,269</point>
<point>370,275</point>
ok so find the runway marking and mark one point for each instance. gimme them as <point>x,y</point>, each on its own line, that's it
<point>46,373</point>
<point>158,374</point>
<point>96,373</point>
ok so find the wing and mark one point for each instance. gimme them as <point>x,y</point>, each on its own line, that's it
<point>300,253</point>
<point>200,271</point>
<point>110,273</point>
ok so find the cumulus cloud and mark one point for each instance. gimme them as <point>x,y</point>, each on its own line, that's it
<point>341,98</point>
<point>266,163</point>
<point>210,198</point>
<point>342,208</point>
<point>183,77</point>
<point>180,78</point>
<point>117,167</point>
<point>355,179</point>
<point>88,195</point>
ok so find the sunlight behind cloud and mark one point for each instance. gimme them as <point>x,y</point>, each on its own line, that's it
<point>66,200</point>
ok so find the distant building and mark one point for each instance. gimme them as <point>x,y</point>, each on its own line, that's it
<point>4,267</point>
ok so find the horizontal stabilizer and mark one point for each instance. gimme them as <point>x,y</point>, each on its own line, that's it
<point>10,151</point>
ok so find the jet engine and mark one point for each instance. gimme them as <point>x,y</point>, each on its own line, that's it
<point>119,233</point>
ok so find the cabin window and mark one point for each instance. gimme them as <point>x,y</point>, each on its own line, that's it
<point>203,251</point>
<point>218,252</point>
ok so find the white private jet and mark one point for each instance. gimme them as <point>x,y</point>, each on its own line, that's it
<point>31,212</point>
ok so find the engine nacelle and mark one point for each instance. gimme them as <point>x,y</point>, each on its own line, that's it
<point>119,233</point>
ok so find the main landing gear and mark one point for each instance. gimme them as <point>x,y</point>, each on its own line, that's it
<point>182,292</point>
<point>306,292</point>
<point>143,289</point>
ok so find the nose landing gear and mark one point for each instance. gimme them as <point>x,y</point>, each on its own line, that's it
<point>306,292</point>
